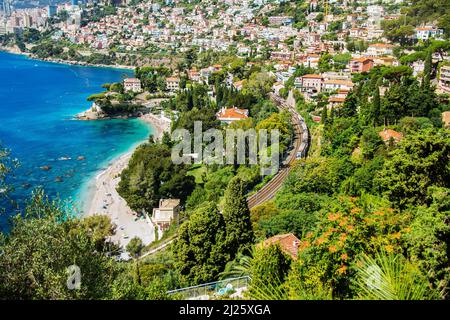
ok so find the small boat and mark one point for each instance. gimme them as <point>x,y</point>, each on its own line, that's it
<point>64,158</point>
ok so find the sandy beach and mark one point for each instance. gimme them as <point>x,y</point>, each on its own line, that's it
<point>105,200</point>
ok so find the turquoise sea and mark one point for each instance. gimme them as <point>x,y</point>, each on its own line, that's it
<point>38,101</point>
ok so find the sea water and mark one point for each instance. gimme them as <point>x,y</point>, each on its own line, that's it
<point>38,101</point>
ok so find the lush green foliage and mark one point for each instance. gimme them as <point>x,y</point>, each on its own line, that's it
<point>151,175</point>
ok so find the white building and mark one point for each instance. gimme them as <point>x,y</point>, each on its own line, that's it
<point>132,84</point>
<point>380,49</point>
<point>173,83</point>
<point>167,212</point>
<point>427,32</point>
<point>444,79</point>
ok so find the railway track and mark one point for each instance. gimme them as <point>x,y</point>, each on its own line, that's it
<point>299,150</point>
<point>266,193</point>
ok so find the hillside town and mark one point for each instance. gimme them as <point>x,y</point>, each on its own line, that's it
<point>321,39</point>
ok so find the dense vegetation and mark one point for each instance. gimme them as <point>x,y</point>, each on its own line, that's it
<point>364,197</point>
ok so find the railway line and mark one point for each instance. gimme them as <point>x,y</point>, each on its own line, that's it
<point>299,150</point>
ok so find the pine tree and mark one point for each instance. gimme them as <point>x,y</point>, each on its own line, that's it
<point>190,101</point>
<point>237,217</point>
<point>349,108</point>
<point>427,71</point>
<point>331,115</point>
<point>324,115</point>
<point>376,104</point>
<point>200,250</point>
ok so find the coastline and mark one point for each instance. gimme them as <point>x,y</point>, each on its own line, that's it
<point>15,50</point>
<point>102,197</point>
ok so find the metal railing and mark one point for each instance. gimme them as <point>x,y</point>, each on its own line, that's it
<point>212,289</point>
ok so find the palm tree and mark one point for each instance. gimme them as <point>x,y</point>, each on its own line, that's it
<point>239,267</point>
<point>387,276</point>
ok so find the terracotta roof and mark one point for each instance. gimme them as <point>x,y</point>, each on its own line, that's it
<point>169,203</point>
<point>381,45</point>
<point>288,242</point>
<point>426,28</point>
<point>362,59</point>
<point>336,99</point>
<point>238,83</point>
<point>341,82</point>
<point>132,80</point>
<point>387,134</point>
<point>233,113</point>
<point>312,76</point>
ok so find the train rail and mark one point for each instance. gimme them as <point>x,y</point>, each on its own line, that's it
<point>299,150</point>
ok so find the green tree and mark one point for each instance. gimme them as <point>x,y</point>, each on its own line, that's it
<point>200,250</point>
<point>236,215</point>
<point>420,161</point>
<point>134,247</point>
<point>41,246</point>
<point>376,105</point>
<point>270,266</point>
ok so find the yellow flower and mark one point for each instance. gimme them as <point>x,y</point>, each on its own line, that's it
<point>396,235</point>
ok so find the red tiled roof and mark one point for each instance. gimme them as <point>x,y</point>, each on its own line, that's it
<point>381,45</point>
<point>336,99</point>
<point>387,134</point>
<point>361,59</point>
<point>288,242</point>
<point>233,113</point>
<point>313,76</point>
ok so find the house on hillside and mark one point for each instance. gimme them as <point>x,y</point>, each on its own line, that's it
<point>310,83</point>
<point>380,49</point>
<point>390,135</point>
<point>173,83</point>
<point>132,84</point>
<point>288,243</point>
<point>446,119</point>
<point>427,32</point>
<point>167,212</point>
<point>231,114</point>
<point>358,65</point>
<point>444,79</point>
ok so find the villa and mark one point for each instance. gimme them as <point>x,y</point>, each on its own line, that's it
<point>359,65</point>
<point>232,114</point>
<point>288,243</point>
<point>132,84</point>
<point>173,83</point>
<point>167,212</point>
